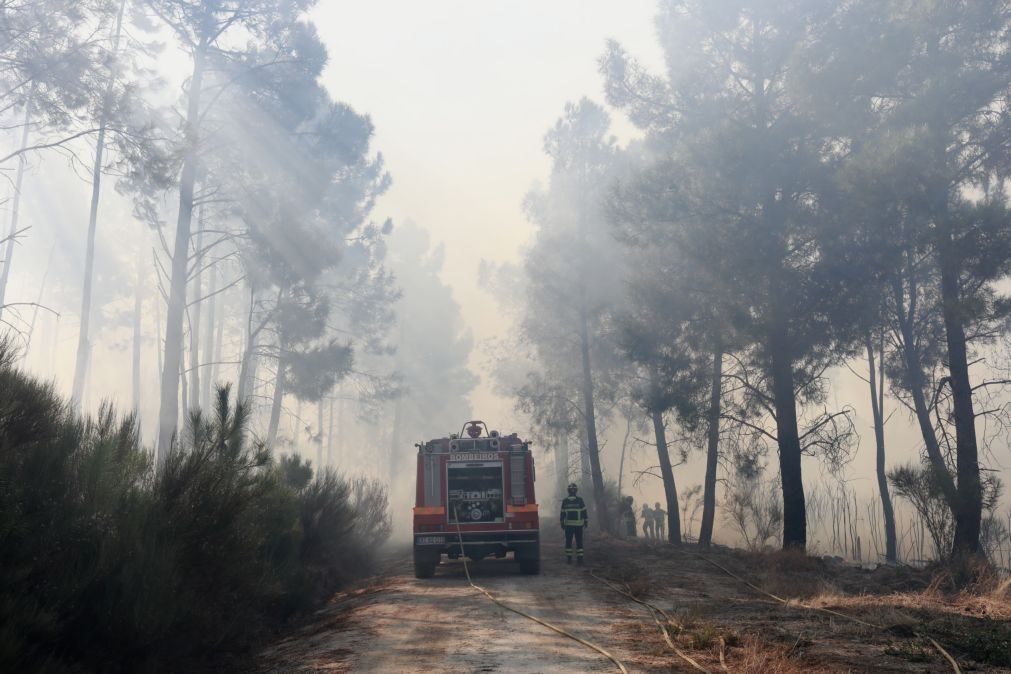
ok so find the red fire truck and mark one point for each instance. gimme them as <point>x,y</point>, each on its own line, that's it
<point>475,497</point>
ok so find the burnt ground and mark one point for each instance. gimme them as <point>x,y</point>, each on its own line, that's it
<point>883,620</point>
<point>833,617</point>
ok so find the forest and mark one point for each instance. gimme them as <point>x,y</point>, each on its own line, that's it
<point>216,349</point>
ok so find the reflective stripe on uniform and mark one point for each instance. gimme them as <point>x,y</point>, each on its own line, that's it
<point>573,512</point>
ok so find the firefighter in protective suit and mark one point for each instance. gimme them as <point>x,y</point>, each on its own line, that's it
<point>573,519</point>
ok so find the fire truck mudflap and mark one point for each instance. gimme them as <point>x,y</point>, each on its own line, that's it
<point>475,498</point>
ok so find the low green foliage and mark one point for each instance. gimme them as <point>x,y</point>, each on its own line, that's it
<point>108,564</point>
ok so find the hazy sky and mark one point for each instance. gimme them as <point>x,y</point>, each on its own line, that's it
<point>461,94</point>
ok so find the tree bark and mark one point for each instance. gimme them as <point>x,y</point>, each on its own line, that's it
<point>712,450</point>
<point>917,386</point>
<point>194,314</point>
<point>84,334</point>
<point>592,448</point>
<point>877,410</point>
<point>15,204</point>
<point>669,486</point>
<point>209,355</point>
<point>215,376</point>
<point>562,463</point>
<point>169,405</point>
<point>788,436</point>
<point>969,514</point>
<point>275,407</point>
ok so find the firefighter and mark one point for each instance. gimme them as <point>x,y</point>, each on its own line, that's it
<point>628,516</point>
<point>647,522</point>
<point>573,519</point>
<point>659,518</point>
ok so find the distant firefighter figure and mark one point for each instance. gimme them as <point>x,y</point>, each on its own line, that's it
<point>628,516</point>
<point>659,520</point>
<point>647,523</point>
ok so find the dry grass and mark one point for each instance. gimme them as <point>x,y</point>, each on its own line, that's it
<point>994,604</point>
<point>756,655</point>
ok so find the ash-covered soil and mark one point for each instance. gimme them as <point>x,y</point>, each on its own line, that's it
<point>832,617</point>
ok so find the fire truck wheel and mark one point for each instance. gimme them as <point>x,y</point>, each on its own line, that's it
<point>529,559</point>
<point>424,569</point>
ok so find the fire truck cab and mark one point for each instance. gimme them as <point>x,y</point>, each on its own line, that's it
<point>475,497</point>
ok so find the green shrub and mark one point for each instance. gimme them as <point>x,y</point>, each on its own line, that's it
<point>108,564</point>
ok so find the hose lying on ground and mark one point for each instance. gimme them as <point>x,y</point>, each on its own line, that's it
<point>653,610</point>
<point>517,611</point>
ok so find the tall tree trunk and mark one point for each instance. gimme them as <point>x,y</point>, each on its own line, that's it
<point>917,386</point>
<point>219,335</point>
<point>247,364</point>
<point>624,449</point>
<point>877,408</point>
<point>969,514</point>
<point>562,463</point>
<point>138,306</point>
<point>159,351</point>
<point>183,420</point>
<point>275,406</point>
<point>15,204</point>
<point>209,355</point>
<point>794,511</point>
<point>592,448</point>
<point>84,334</point>
<point>670,489</point>
<point>194,314</point>
<point>169,405</point>
<point>712,450</point>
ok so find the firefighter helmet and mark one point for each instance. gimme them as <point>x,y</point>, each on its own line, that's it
<point>572,488</point>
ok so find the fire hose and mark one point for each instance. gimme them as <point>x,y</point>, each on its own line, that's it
<point>517,611</point>
<point>655,609</point>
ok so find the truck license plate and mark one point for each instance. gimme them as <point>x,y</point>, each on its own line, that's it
<point>431,540</point>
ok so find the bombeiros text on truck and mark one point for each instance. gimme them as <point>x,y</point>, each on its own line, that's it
<point>475,497</point>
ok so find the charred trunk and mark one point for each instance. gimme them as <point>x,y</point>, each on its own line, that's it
<point>592,447</point>
<point>969,513</point>
<point>275,406</point>
<point>712,450</point>
<point>169,405</point>
<point>84,335</point>
<point>877,410</point>
<point>788,436</point>
<point>667,473</point>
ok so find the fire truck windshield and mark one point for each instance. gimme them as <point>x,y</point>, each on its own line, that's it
<point>476,492</point>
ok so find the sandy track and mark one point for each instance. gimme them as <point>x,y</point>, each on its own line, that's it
<point>441,624</point>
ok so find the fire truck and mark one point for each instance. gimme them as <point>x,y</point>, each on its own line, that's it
<point>475,497</point>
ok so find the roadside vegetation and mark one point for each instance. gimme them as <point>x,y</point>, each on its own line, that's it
<point>107,564</point>
<point>785,611</point>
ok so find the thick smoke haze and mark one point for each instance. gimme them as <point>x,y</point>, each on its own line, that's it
<point>454,99</point>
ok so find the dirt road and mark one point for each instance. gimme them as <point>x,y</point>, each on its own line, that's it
<point>443,625</point>
<point>837,618</point>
